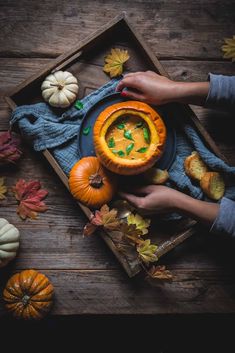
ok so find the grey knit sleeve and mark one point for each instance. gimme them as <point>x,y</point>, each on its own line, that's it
<point>221,93</point>
<point>225,221</point>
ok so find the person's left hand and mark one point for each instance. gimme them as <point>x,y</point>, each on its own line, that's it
<point>153,199</point>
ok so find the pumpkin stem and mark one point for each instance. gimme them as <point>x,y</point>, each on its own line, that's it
<point>59,85</point>
<point>96,180</point>
<point>25,300</point>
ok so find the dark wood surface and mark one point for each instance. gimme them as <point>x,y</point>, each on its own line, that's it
<point>186,36</point>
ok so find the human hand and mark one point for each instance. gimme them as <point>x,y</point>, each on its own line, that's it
<point>153,199</point>
<point>161,199</point>
<point>148,87</point>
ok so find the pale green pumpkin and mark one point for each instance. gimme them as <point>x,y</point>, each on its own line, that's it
<point>9,242</point>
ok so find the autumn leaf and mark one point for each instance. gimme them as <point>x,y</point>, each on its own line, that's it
<point>160,272</point>
<point>9,148</point>
<point>131,233</point>
<point>229,48</point>
<point>3,189</point>
<point>114,62</point>
<point>89,229</point>
<point>106,218</point>
<point>147,251</point>
<point>30,196</point>
<point>141,223</point>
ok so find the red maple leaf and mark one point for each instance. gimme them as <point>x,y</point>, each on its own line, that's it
<point>30,196</point>
<point>9,147</point>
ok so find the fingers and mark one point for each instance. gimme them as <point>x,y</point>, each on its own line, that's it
<point>131,94</point>
<point>144,190</point>
<point>128,81</point>
<point>132,199</point>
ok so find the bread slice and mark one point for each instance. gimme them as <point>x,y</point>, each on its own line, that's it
<point>194,166</point>
<point>212,185</point>
<point>156,176</point>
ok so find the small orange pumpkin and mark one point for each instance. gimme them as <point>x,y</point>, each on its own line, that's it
<point>121,162</point>
<point>28,295</point>
<point>91,183</point>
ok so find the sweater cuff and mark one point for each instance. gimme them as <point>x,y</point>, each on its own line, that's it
<point>221,93</point>
<point>225,221</point>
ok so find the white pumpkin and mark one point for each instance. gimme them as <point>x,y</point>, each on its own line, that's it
<point>60,89</point>
<point>9,241</point>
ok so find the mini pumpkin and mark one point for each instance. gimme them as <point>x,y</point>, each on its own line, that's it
<point>60,89</point>
<point>129,137</point>
<point>9,242</point>
<point>28,295</point>
<point>91,183</point>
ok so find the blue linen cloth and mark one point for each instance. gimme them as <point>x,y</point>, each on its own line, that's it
<point>48,128</point>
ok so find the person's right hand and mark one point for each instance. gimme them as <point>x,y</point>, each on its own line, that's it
<point>148,87</point>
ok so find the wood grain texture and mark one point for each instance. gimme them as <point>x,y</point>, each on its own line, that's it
<point>109,292</point>
<point>173,29</point>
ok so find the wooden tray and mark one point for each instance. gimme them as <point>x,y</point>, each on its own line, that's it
<point>86,61</point>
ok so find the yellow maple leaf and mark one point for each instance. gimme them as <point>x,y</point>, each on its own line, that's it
<point>147,251</point>
<point>141,223</point>
<point>114,62</point>
<point>229,48</point>
<point>3,189</point>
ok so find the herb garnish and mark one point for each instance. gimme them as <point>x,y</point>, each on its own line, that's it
<point>140,124</point>
<point>129,148</point>
<point>121,153</point>
<point>78,105</point>
<point>146,134</point>
<point>128,135</point>
<point>121,126</point>
<point>86,130</point>
<point>142,149</point>
<point>111,142</point>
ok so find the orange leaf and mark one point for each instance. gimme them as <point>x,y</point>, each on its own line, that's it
<point>89,229</point>
<point>106,218</point>
<point>30,196</point>
<point>160,272</point>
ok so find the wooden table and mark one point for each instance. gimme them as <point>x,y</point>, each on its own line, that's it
<point>186,36</point>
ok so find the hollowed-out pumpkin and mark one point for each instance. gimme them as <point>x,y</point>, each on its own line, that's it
<point>28,295</point>
<point>91,183</point>
<point>129,137</point>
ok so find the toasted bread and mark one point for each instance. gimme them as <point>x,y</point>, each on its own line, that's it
<point>156,176</point>
<point>212,185</point>
<point>194,166</point>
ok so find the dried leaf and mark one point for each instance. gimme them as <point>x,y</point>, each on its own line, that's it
<point>114,62</point>
<point>89,229</point>
<point>106,218</point>
<point>160,272</point>
<point>30,196</point>
<point>229,48</point>
<point>3,189</point>
<point>141,223</point>
<point>147,251</point>
<point>9,148</point>
<point>131,233</point>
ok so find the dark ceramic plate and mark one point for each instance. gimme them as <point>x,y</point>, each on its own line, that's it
<point>85,142</point>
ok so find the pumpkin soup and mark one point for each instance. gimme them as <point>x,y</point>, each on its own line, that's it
<point>128,137</point>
